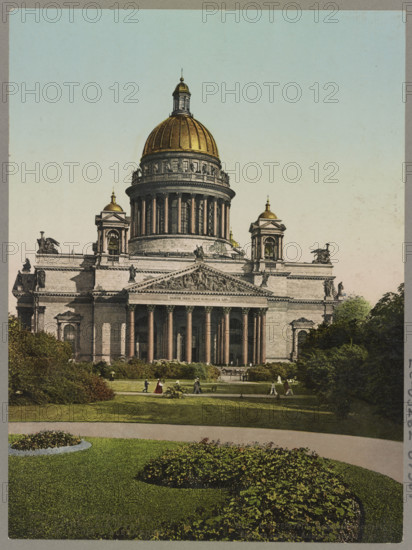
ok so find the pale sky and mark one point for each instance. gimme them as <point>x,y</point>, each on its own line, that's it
<point>360,137</point>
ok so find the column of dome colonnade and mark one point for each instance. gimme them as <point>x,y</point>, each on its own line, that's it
<point>216,338</point>
<point>180,197</point>
<point>180,214</point>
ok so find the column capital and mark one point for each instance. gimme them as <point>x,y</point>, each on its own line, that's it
<point>226,310</point>
<point>245,310</point>
<point>131,307</point>
<point>150,307</point>
<point>170,308</point>
<point>263,310</point>
<point>208,309</point>
<point>189,309</point>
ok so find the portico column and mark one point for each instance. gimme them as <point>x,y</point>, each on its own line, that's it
<point>258,339</point>
<point>154,215</point>
<point>150,333</point>
<point>214,217</point>
<point>208,311</point>
<point>245,312</point>
<point>170,332</point>
<point>226,312</point>
<point>263,335</point>
<point>130,329</point>
<point>192,214</point>
<point>222,340</point>
<point>205,216</point>
<point>218,339</point>
<point>166,213</point>
<point>189,311</point>
<point>179,213</point>
<point>254,355</point>
<point>143,218</point>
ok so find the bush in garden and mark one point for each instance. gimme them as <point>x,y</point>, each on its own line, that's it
<point>274,494</point>
<point>44,440</point>
<point>139,370</point>
<point>40,371</point>
<point>270,372</point>
<point>174,392</point>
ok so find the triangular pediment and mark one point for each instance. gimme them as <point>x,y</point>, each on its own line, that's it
<point>198,278</point>
<point>113,216</point>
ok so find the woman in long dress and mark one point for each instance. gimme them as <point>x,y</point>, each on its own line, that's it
<point>159,387</point>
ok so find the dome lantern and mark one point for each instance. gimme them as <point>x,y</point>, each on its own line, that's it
<point>181,99</point>
<point>268,214</point>
<point>113,206</point>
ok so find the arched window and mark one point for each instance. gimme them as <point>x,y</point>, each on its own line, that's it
<point>113,244</point>
<point>270,249</point>
<point>69,336</point>
<point>301,339</point>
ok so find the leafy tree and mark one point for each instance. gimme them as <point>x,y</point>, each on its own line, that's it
<point>336,375</point>
<point>360,354</point>
<point>383,334</point>
<point>40,371</point>
<point>355,308</point>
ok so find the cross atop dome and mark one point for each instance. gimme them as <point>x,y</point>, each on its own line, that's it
<point>181,98</point>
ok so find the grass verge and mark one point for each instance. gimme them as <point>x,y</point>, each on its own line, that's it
<point>299,412</point>
<point>94,494</point>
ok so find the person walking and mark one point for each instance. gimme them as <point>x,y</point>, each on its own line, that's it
<point>159,387</point>
<point>287,388</point>
<point>196,386</point>
<point>273,389</point>
<point>146,385</point>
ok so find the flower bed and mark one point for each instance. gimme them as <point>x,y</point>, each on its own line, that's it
<point>44,440</point>
<point>275,494</point>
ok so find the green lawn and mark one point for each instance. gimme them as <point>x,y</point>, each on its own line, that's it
<point>218,387</point>
<point>299,412</point>
<point>94,494</point>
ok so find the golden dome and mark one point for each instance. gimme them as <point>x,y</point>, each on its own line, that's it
<point>113,206</point>
<point>181,132</point>
<point>268,214</point>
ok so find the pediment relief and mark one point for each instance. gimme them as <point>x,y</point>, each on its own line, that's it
<point>200,279</point>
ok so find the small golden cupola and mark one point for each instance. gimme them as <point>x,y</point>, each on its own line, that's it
<point>113,206</point>
<point>268,214</point>
<point>234,243</point>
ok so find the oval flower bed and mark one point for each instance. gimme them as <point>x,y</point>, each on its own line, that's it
<point>47,442</point>
<point>275,494</point>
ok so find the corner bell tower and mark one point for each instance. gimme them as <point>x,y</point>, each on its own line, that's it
<point>267,239</point>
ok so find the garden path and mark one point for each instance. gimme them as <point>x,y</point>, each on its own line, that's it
<point>379,455</point>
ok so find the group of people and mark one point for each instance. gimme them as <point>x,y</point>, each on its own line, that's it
<point>286,387</point>
<point>159,386</point>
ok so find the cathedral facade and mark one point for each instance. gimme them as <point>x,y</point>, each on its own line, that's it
<point>169,281</point>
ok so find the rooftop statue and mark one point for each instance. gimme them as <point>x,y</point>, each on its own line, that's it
<point>322,255</point>
<point>47,246</point>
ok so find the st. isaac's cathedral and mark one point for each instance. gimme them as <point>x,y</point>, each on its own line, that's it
<point>169,281</point>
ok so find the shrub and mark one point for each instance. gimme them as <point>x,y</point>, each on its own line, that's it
<point>137,369</point>
<point>175,392</point>
<point>40,371</point>
<point>274,494</point>
<point>271,371</point>
<point>44,440</point>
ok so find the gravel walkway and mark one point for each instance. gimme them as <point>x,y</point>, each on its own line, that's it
<point>379,455</point>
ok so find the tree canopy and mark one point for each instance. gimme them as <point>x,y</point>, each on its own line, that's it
<point>359,355</point>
